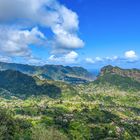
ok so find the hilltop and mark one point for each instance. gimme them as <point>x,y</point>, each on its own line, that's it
<point>123,79</point>
<point>131,73</point>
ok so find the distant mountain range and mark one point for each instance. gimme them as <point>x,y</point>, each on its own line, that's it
<point>25,80</point>
<point>52,72</point>
<point>124,79</point>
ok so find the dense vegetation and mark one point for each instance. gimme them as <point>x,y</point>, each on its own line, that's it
<point>100,110</point>
<point>22,85</point>
<point>123,83</point>
<point>130,73</point>
<point>52,72</point>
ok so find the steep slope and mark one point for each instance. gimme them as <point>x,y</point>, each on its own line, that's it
<point>18,67</point>
<point>65,73</point>
<point>52,72</point>
<point>124,79</point>
<point>131,73</point>
<point>20,84</point>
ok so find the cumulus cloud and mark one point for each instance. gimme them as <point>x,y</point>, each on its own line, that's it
<point>94,60</point>
<point>14,42</point>
<point>98,59</point>
<point>114,58</point>
<point>66,40</point>
<point>129,57</point>
<point>62,21</point>
<point>102,59</point>
<point>90,60</point>
<point>130,54</point>
<point>70,57</point>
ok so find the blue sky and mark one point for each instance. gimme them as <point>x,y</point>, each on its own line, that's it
<point>88,33</point>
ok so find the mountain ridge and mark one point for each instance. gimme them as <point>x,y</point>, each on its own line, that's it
<point>23,85</point>
<point>131,73</point>
<point>52,72</point>
<point>124,79</point>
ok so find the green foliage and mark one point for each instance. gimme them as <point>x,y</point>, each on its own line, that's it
<point>131,73</point>
<point>41,133</point>
<point>11,128</point>
<point>22,85</point>
<point>79,131</point>
<point>123,83</point>
<point>107,109</point>
<point>68,74</point>
<point>7,125</point>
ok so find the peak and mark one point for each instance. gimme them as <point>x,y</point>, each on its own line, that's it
<point>131,73</point>
<point>110,67</point>
<point>107,69</point>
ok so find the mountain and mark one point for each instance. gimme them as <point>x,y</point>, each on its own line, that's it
<point>97,110</point>
<point>19,84</point>
<point>124,79</point>
<point>68,74</point>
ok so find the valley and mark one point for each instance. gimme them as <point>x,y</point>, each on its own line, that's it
<point>32,108</point>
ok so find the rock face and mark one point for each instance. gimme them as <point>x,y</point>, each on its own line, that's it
<point>68,74</point>
<point>124,79</point>
<point>131,73</point>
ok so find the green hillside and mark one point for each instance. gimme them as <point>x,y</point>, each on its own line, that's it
<point>131,73</point>
<point>22,85</point>
<point>106,109</point>
<point>123,83</point>
<point>123,79</point>
<point>68,74</point>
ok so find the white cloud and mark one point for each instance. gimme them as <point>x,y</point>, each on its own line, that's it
<point>14,42</point>
<point>130,54</point>
<point>69,58</point>
<point>130,57</point>
<point>66,40</point>
<point>94,60</point>
<point>114,58</point>
<point>51,14</point>
<point>90,60</point>
<point>98,59</point>
<point>5,59</point>
<point>34,61</point>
